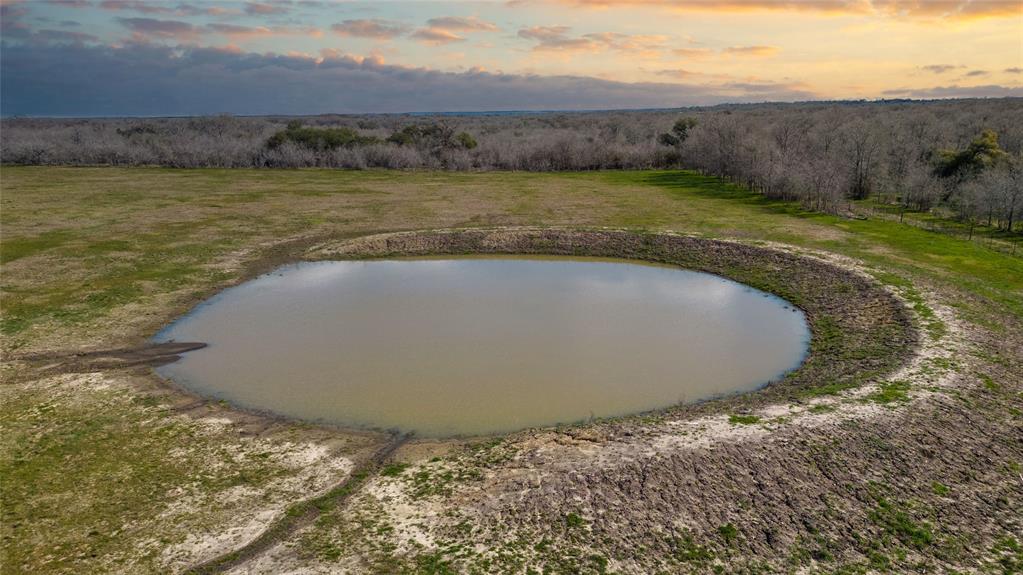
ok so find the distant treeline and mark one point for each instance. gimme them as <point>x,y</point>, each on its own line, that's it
<point>964,155</point>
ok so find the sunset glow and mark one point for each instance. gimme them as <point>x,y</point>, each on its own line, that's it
<point>620,53</point>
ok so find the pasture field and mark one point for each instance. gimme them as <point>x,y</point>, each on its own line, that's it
<point>107,468</point>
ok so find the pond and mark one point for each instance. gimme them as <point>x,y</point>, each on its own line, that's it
<point>478,345</point>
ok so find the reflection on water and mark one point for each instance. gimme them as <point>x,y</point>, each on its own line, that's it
<point>482,345</point>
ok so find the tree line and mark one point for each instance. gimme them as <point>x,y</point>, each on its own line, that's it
<point>961,156</point>
<point>965,160</point>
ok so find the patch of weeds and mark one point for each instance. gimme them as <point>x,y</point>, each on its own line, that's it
<point>891,392</point>
<point>729,533</point>
<point>897,522</point>
<point>879,561</point>
<point>822,408</point>
<point>428,481</point>
<point>1008,555</point>
<point>574,520</point>
<point>743,419</point>
<point>932,324</point>
<point>819,549</point>
<point>688,551</point>
<point>940,488</point>
<point>99,438</point>
<point>599,562</point>
<point>433,564</point>
<point>989,384</point>
<point>491,452</point>
<point>394,469</point>
<point>16,248</point>
<point>828,335</point>
<point>568,560</point>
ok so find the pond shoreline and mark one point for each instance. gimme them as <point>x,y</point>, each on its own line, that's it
<point>847,312</point>
<point>862,313</point>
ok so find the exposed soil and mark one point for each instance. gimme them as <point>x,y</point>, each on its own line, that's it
<point>150,354</point>
<point>301,515</point>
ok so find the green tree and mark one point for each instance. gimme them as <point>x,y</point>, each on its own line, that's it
<point>466,140</point>
<point>679,132</point>
<point>983,152</point>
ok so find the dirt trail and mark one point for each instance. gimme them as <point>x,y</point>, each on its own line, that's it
<point>150,354</point>
<point>301,514</point>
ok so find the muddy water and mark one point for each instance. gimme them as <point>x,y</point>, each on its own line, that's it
<point>481,345</point>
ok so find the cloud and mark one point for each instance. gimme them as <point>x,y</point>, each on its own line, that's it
<point>950,9</point>
<point>939,68</point>
<point>220,11</point>
<point>11,23</point>
<point>61,36</point>
<point>460,24</point>
<point>165,8</point>
<point>13,27</point>
<point>379,29</point>
<point>677,73</point>
<point>955,91</point>
<point>1016,70</point>
<point>263,8</point>
<point>692,52</point>
<point>236,32</point>
<point>915,9</point>
<point>554,38</point>
<point>975,73</point>
<point>557,38</point>
<point>146,28</point>
<point>758,51</point>
<point>153,79</point>
<point>137,6</point>
<point>70,3</point>
<point>436,36</point>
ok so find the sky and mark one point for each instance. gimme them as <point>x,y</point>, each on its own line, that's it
<point>166,58</point>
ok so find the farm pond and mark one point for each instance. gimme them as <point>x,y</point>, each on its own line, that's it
<point>463,346</point>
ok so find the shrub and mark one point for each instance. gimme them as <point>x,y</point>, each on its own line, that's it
<point>437,136</point>
<point>466,140</point>
<point>318,139</point>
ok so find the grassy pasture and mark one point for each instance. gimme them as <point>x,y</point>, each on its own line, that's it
<point>121,236</point>
<point>96,257</point>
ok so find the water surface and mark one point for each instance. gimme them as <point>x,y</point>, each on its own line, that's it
<point>481,345</point>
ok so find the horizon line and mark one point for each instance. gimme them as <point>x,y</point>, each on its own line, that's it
<point>517,111</point>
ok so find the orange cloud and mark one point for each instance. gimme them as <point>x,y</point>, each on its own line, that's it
<point>147,28</point>
<point>692,52</point>
<point>460,24</point>
<point>934,9</point>
<point>379,29</point>
<point>436,36</point>
<point>263,8</point>
<point>145,7</point>
<point>246,32</point>
<point>677,73</point>
<point>761,51</point>
<point>557,38</point>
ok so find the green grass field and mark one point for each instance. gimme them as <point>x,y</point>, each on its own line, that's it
<point>124,235</point>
